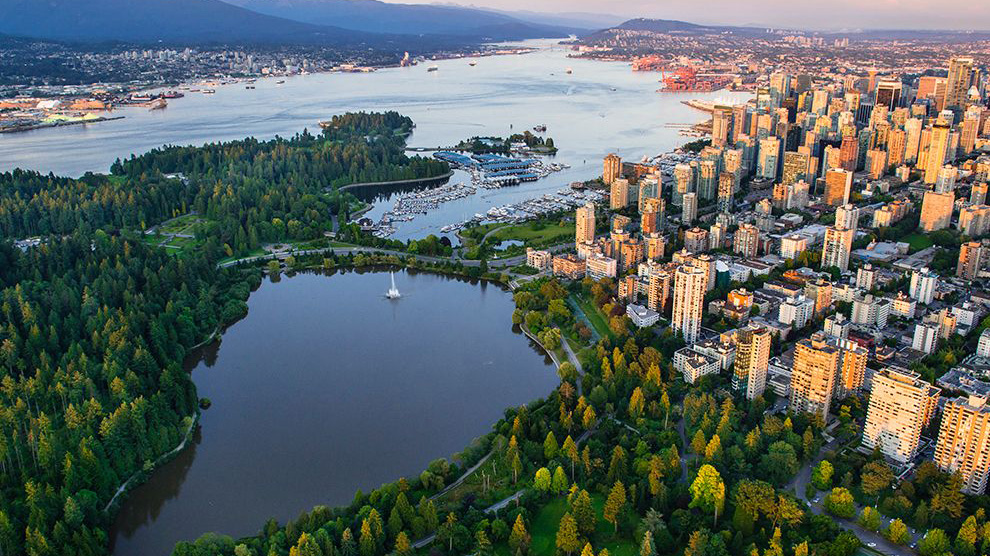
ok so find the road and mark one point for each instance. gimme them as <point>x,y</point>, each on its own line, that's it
<point>495,263</point>
<point>685,455</point>
<point>799,484</point>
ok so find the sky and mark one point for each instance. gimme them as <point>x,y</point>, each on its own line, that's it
<point>807,14</point>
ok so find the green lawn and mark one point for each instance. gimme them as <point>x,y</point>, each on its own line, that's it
<point>595,317</point>
<point>543,530</point>
<point>917,241</point>
<point>536,235</point>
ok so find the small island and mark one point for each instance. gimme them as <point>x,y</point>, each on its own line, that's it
<point>526,142</point>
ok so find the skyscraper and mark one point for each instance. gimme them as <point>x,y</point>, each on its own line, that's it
<point>769,158</point>
<point>746,241</point>
<point>838,187</point>
<point>612,169</point>
<point>901,405</point>
<point>816,365</point>
<point>971,257</point>
<point>690,286</point>
<point>619,194</point>
<point>689,209</point>
<point>923,284</point>
<point>958,83</point>
<point>795,167</point>
<point>963,444</point>
<point>585,224</point>
<point>836,248</point>
<point>938,146</point>
<point>752,360</point>
<point>889,94</point>
<point>936,210</point>
<point>847,217</point>
<point>721,125</point>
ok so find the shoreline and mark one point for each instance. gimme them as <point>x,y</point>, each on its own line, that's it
<point>33,127</point>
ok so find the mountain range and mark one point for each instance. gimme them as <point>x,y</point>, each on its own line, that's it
<point>374,16</point>
<point>324,22</point>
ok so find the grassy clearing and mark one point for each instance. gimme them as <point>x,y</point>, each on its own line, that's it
<point>918,242</point>
<point>543,530</point>
<point>595,316</point>
<point>535,234</point>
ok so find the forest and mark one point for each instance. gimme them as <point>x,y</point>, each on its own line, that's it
<point>96,323</point>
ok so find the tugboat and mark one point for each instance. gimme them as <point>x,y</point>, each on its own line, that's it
<point>393,292</point>
<point>432,68</point>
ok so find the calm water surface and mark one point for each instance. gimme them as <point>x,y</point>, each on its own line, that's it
<point>326,387</point>
<point>501,95</point>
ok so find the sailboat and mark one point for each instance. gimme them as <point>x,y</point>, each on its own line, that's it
<point>393,292</point>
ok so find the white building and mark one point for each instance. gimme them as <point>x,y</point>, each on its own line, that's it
<point>642,316</point>
<point>983,347</point>
<point>837,326</point>
<point>693,365</point>
<point>796,311</point>
<point>793,245</point>
<point>925,337</point>
<point>923,284</point>
<point>870,311</point>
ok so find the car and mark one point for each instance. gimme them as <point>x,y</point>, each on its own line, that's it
<point>817,500</point>
<point>871,544</point>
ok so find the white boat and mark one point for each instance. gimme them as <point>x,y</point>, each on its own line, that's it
<point>393,292</point>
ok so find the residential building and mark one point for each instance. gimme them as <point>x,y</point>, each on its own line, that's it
<point>752,358</point>
<point>816,365</point>
<point>971,258</point>
<point>796,311</point>
<point>836,248</point>
<point>746,241</point>
<point>585,224</point>
<point>923,285</point>
<point>925,337</point>
<point>694,365</point>
<point>901,406</point>
<point>641,316</point>
<point>612,169</point>
<point>600,266</point>
<point>838,187</point>
<point>540,260</point>
<point>936,210</point>
<point>963,444</point>
<point>690,286</point>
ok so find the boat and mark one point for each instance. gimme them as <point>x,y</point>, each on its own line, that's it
<point>280,82</point>
<point>540,128</point>
<point>208,91</point>
<point>569,71</point>
<point>393,292</point>
<point>249,86</point>
<point>433,68</point>
<point>158,104</point>
<point>172,94</point>
<point>472,64</point>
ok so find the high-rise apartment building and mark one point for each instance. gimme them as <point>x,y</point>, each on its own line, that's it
<point>690,286</point>
<point>585,224</point>
<point>936,210</point>
<point>958,84</point>
<point>901,405</point>
<point>971,257</point>
<point>746,241</point>
<point>795,167</point>
<point>612,169</point>
<point>721,125</point>
<point>816,366</point>
<point>619,194</point>
<point>836,248</point>
<point>847,217</point>
<point>752,360</point>
<point>963,444</point>
<point>923,285</point>
<point>938,149</point>
<point>838,187</point>
<point>689,209</point>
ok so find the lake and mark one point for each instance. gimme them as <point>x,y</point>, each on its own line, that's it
<point>601,107</point>
<point>325,388</point>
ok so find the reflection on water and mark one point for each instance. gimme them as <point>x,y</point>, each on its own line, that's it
<point>327,387</point>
